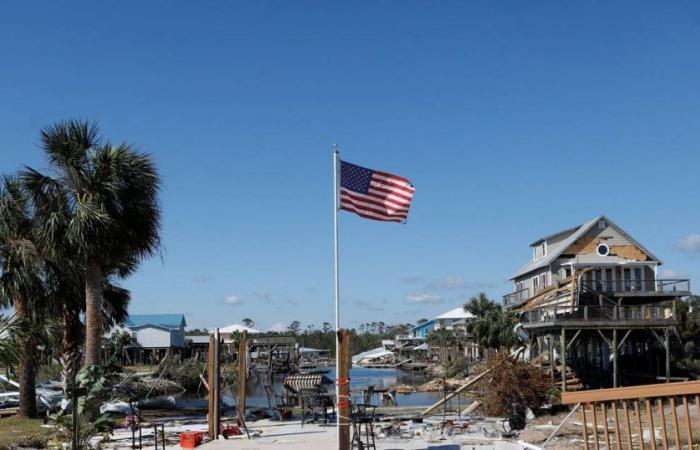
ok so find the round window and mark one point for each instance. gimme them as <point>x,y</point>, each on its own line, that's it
<point>603,249</point>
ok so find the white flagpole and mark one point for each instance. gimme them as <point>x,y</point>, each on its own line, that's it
<point>336,207</point>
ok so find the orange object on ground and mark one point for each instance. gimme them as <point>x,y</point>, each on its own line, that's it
<point>191,439</point>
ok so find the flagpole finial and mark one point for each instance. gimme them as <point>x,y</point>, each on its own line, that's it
<point>335,148</point>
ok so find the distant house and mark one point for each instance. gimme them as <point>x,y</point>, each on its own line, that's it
<point>157,331</point>
<point>422,330</point>
<point>453,320</point>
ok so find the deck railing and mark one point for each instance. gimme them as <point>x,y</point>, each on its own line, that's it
<point>563,314</point>
<point>667,286</point>
<point>516,297</point>
<point>636,416</point>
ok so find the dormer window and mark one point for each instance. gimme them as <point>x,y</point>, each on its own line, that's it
<point>602,249</point>
<point>539,251</point>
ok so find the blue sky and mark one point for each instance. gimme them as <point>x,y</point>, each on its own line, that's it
<point>512,119</point>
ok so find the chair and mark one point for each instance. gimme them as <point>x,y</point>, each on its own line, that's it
<point>283,406</point>
<point>315,403</point>
<point>363,414</point>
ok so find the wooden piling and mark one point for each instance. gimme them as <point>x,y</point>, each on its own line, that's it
<point>242,373</point>
<point>343,383</point>
<point>210,378</point>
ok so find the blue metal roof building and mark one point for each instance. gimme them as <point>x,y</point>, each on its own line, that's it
<point>167,321</point>
<point>422,329</point>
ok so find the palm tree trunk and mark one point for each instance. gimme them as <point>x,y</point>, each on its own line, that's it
<point>93,313</point>
<point>69,348</point>
<point>27,369</point>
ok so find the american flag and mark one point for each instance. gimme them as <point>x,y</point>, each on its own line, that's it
<point>373,194</point>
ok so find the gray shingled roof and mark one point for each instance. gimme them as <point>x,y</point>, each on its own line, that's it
<point>547,260</point>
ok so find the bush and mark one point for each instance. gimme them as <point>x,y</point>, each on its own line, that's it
<point>512,381</point>
<point>186,373</point>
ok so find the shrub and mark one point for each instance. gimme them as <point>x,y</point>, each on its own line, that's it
<point>512,381</point>
<point>186,373</point>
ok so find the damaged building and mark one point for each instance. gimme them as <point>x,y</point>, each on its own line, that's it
<point>594,310</point>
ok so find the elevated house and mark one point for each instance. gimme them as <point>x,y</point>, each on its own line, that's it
<point>590,299</point>
<point>422,330</point>
<point>155,335</point>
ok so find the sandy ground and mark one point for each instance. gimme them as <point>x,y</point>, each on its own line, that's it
<point>482,434</point>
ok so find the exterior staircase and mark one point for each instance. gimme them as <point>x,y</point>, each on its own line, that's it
<point>573,382</point>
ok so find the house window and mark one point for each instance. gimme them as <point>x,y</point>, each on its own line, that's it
<point>567,272</point>
<point>543,280</point>
<point>602,249</point>
<point>544,249</point>
<point>535,284</point>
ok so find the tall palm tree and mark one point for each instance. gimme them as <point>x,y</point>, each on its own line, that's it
<point>10,334</point>
<point>492,326</point>
<point>20,282</point>
<point>113,212</point>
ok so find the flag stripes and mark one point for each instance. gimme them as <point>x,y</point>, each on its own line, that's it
<point>373,194</point>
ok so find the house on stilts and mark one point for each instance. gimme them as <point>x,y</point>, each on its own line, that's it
<point>595,312</point>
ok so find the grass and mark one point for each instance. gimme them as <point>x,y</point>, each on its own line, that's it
<point>17,432</point>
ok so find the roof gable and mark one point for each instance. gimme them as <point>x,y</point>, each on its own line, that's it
<point>168,321</point>
<point>569,241</point>
<point>457,313</point>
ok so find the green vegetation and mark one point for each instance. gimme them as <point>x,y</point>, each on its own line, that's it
<point>184,373</point>
<point>492,326</point>
<point>21,432</point>
<point>65,237</point>
<point>94,386</point>
<point>688,352</point>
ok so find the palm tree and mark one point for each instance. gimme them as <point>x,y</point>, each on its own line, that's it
<point>10,333</point>
<point>111,199</point>
<point>20,283</point>
<point>492,326</point>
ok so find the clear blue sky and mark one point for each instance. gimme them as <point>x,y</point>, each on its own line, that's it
<point>512,119</point>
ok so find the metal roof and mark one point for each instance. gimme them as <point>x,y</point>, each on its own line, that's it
<point>566,243</point>
<point>237,328</point>
<point>457,313</point>
<point>426,324</point>
<point>169,321</point>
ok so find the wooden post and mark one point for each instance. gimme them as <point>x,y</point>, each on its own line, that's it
<point>210,377</point>
<point>242,373</point>
<point>563,360</point>
<point>667,345</point>
<point>550,344</point>
<point>343,383</point>
<point>217,383</point>
<point>614,355</point>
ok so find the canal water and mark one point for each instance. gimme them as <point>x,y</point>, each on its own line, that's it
<point>360,378</point>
